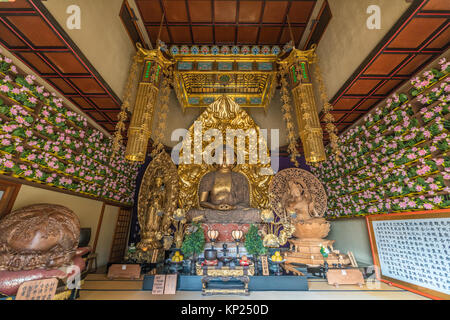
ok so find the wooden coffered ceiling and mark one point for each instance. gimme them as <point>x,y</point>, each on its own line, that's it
<point>420,36</point>
<point>261,22</point>
<point>30,32</point>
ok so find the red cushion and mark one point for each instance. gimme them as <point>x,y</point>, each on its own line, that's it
<point>83,250</point>
<point>10,281</point>
<point>78,261</point>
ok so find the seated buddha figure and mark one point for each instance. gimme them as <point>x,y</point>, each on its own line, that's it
<point>224,197</point>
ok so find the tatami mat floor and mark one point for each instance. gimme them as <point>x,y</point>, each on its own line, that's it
<point>98,287</point>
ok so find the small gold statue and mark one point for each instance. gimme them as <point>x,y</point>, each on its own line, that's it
<point>277,256</point>
<point>157,202</point>
<point>177,257</point>
<point>152,231</point>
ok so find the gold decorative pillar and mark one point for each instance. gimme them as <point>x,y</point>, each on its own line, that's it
<point>154,64</point>
<point>298,64</point>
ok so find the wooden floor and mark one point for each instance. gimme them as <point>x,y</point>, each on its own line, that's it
<point>98,287</point>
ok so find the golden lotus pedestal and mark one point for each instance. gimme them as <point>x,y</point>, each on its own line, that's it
<point>307,251</point>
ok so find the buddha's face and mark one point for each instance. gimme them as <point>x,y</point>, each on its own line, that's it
<point>225,164</point>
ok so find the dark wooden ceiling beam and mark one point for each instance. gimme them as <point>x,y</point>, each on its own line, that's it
<point>64,37</point>
<point>18,12</point>
<point>236,18</point>
<point>38,10</point>
<point>188,13</point>
<point>66,75</point>
<point>410,50</point>
<point>362,96</point>
<point>288,8</point>
<point>433,14</point>
<point>347,111</point>
<point>309,18</point>
<point>224,24</point>
<point>88,95</point>
<point>344,122</point>
<point>213,19</point>
<point>163,9</point>
<point>384,77</point>
<point>39,49</point>
<point>261,16</point>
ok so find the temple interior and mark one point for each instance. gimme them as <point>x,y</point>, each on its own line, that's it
<point>224,149</point>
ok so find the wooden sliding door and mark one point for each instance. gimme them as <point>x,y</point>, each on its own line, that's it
<point>120,239</point>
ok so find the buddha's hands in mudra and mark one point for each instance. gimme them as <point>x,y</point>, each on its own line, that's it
<point>225,207</point>
<point>221,207</point>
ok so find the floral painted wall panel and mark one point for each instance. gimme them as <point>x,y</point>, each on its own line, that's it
<point>397,159</point>
<point>44,142</point>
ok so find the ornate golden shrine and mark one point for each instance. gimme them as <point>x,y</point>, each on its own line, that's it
<point>225,114</point>
<point>249,79</point>
<point>164,169</point>
<point>200,78</point>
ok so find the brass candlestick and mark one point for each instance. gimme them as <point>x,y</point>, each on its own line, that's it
<point>237,236</point>
<point>213,235</point>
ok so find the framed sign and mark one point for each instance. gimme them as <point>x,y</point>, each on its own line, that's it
<point>159,284</point>
<point>170,286</point>
<point>411,251</point>
<point>124,271</point>
<point>265,265</point>
<point>43,289</point>
<point>165,284</point>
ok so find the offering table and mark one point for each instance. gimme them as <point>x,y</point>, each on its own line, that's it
<point>225,279</point>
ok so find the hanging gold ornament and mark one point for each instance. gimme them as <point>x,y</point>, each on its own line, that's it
<point>139,132</point>
<point>163,112</point>
<point>327,116</point>
<point>287,116</point>
<point>123,115</point>
<point>297,65</point>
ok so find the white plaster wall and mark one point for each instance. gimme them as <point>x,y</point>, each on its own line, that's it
<point>351,235</point>
<point>106,234</point>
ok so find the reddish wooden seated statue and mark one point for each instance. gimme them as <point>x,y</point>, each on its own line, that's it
<point>39,236</point>
<point>36,242</point>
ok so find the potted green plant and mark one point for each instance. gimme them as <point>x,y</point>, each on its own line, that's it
<point>254,244</point>
<point>194,243</point>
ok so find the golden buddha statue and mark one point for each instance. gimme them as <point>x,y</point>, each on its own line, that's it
<point>224,196</point>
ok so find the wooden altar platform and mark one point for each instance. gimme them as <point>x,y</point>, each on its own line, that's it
<point>99,287</point>
<point>256,283</point>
